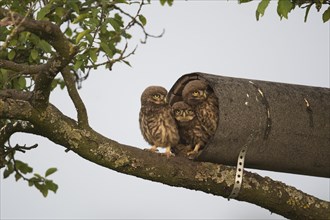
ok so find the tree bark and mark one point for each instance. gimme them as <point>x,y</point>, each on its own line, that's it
<point>211,178</point>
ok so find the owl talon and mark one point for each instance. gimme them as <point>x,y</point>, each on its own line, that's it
<point>192,154</point>
<point>169,154</point>
<point>152,149</point>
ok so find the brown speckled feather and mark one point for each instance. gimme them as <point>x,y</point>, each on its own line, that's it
<point>157,124</point>
<point>190,128</point>
<point>204,102</point>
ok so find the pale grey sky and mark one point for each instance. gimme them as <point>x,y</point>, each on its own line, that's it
<point>219,37</point>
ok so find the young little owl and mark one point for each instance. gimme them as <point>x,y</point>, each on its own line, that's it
<point>157,123</point>
<point>190,129</point>
<point>204,102</point>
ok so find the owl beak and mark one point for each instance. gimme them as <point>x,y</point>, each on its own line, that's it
<point>165,100</point>
<point>204,94</point>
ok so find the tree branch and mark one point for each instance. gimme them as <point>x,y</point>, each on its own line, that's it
<point>12,127</point>
<point>207,177</point>
<point>20,68</point>
<point>75,97</point>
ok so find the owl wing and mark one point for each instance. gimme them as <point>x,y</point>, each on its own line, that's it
<point>144,125</point>
<point>208,114</point>
<point>158,126</point>
<point>170,126</point>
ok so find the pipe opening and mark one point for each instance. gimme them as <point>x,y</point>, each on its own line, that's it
<point>196,111</point>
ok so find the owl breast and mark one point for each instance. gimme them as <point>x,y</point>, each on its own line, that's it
<point>193,133</point>
<point>158,126</point>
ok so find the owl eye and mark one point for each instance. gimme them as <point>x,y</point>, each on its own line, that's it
<point>190,111</point>
<point>156,96</point>
<point>177,112</point>
<point>195,93</point>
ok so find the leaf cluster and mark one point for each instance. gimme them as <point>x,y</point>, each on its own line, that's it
<point>169,2</point>
<point>40,39</point>
<point>20,169</point>
<point>101,30</point>
<point>284,7</point>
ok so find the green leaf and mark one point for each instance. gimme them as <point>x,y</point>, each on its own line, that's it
<point>17,176</point>
<point>4,34</point>
<point>51,185</point>
<point>82,34</point>
<point>284,7</point>
<point>93,54</point>
<point>38,176</point>
<point>114,23</point>
<point>77,65</point>
<point>243,1</point>
<point>74,6</point>
<point>19,83</point>
<point>42,188</point>
<point>143,20</point>
<point>7,173</point>
<point>121,1</point>
<point>68,32</point>
<point>11,55</point>
<point>170,2</point>
<point>13,42</point>
<point>31,183</point>
<point>59,11</point>
<point>50,171</point>
<point>261,8</point>
<point>45,46</point>
<point>106,49</point>
<point>90,38</point>
<point>3,78</point>
<point>43,12</point>
<point>22,83</point>
<point>307,12</point>
<point>57,82</point>
<point>9,170</point>
<point>34,54</point>
<point>81,17</point>
<point>326,15</point>
<point>23,167</point>
<point>127,63</point>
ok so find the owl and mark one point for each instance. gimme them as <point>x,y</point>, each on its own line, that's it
<point>157,123</point>
<point>204,102</point>
<point>191,131</point>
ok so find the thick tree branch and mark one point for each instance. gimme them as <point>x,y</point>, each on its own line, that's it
<point>12,127</point>
<point>20,68</point>
<point>75,97</point>
<point>207,177</point>
<point>14,94</point>
<point>51,68</point>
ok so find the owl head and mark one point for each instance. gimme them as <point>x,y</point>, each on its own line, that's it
<point>183,112</point>
<point>195,92</point>
<point>154,95</point>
